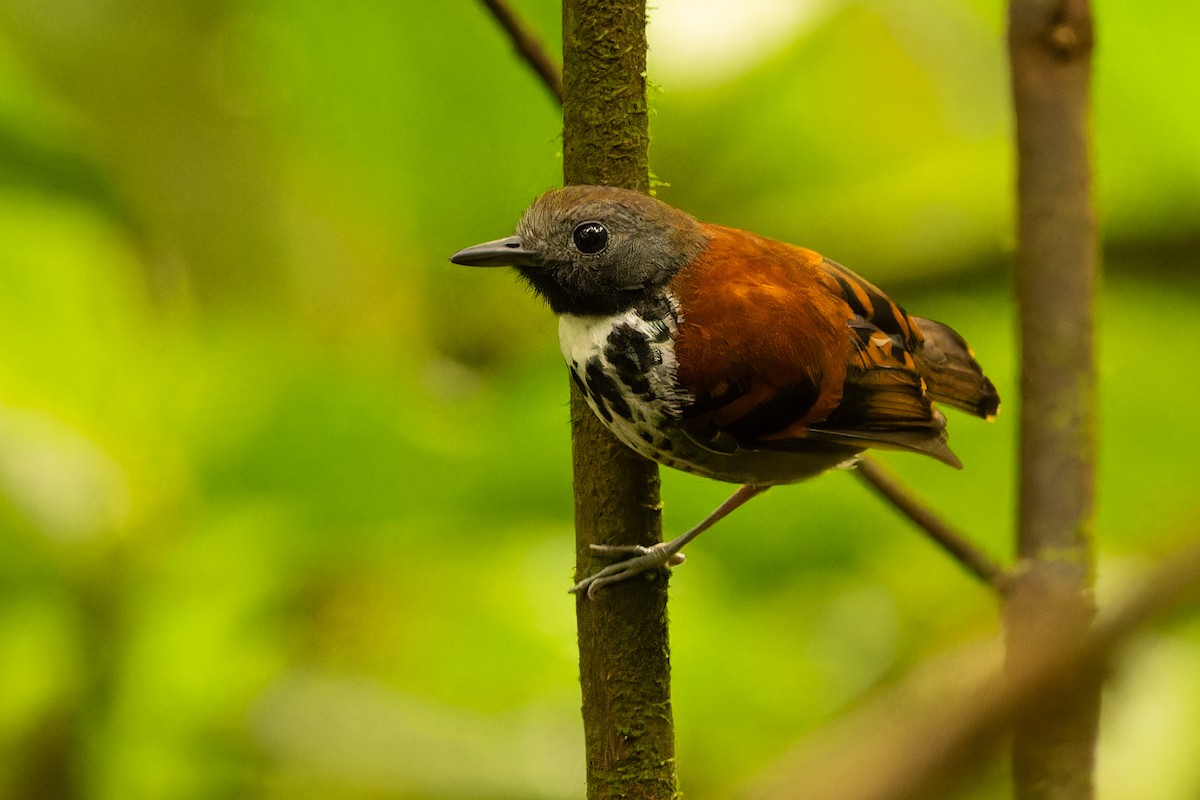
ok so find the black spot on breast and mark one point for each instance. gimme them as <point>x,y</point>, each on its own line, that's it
<point>661,332</point>
<point>603,387</point>
<point>575,377</point>
<point>602,408</point>
<point>631,358</point>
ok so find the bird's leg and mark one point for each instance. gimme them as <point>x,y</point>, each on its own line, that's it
<point>660,555</point>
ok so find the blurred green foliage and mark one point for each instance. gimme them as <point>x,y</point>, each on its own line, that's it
<point>285,497</point>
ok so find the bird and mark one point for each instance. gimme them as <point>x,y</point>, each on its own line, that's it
<point>727,354</point>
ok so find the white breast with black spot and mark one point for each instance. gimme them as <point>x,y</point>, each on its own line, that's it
<point>625,365</point>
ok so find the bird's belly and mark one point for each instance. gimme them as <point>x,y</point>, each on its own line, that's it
<point>625,365</point>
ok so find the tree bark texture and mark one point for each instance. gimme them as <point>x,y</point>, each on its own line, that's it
<point>624,658</point>
<point>1050,46</point>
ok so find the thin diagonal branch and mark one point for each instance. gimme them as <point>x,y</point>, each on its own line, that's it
<point>978,563</point>
<point>528,46</point>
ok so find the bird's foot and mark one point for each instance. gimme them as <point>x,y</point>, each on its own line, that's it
<point>641,559</point>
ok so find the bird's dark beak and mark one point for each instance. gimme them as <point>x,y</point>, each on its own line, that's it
<point>508,252</point>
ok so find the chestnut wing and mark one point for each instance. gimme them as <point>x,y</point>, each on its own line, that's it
<point>781,349</point>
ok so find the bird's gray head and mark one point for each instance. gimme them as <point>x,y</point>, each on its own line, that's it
<point>595,249</point>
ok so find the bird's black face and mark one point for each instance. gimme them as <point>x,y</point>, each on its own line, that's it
<point>595,250</point>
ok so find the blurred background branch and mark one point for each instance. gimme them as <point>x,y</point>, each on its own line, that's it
<point>950,716</point>
<point>1051,601</point>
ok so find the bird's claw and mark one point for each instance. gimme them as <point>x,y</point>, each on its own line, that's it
<point>673,558</point>
<point>641,559</point>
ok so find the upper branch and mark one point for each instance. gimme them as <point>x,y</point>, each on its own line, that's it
<point>529,47</point>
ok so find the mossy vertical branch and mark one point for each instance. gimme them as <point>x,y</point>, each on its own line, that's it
<point>1050,44</point>
<point>606,131</point>
<point>623,647</point>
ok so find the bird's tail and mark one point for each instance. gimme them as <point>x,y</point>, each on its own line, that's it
<point>951,373</point>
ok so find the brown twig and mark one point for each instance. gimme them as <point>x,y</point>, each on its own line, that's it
<point>528,46</point>
<point>978,563</point>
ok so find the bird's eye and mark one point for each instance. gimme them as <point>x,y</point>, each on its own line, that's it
<point>590,237</point>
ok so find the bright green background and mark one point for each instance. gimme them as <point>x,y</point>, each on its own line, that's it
<point>285,497</point>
